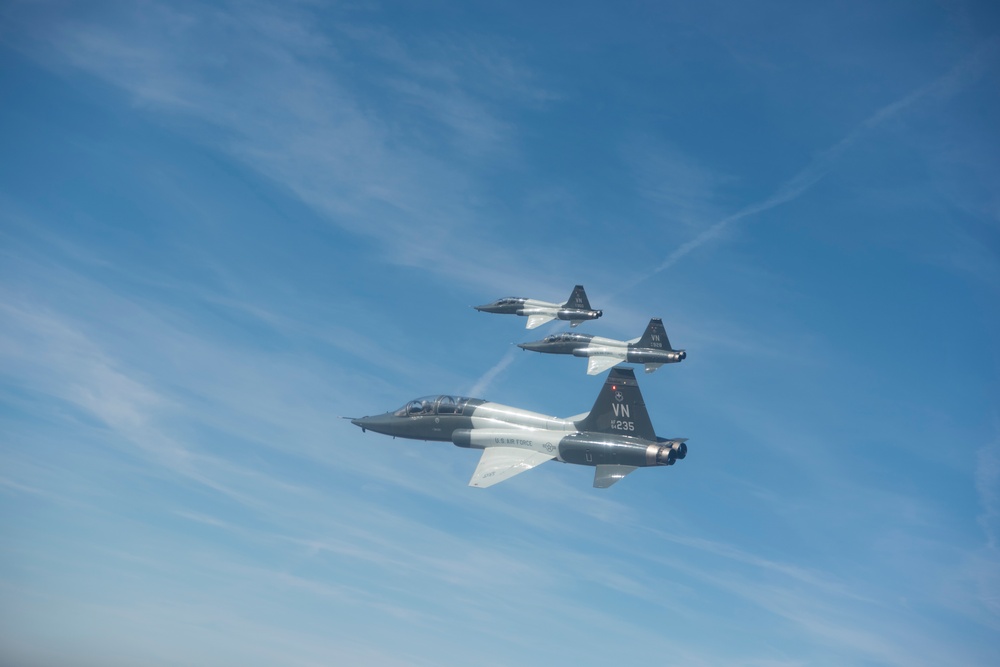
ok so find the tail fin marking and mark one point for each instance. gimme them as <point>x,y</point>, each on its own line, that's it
<point>619,408</point>
<point>578,299</point>
<point>655,336</point>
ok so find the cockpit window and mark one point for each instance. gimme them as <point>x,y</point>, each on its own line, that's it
<point>429,405</point>
<point>565,338</point>
<point>419,408</point>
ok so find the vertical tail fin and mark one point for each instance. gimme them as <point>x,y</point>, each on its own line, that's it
<point>655,336</point>
<point>619,408</point>
<point>578,299</point>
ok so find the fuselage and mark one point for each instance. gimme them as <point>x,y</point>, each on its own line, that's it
<point>471,422</point>
<point>586,345</point>
<point>438,417</point>
<point>516,305</point>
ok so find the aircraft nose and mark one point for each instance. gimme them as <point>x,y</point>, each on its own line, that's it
<point>376,424</point>
<point>384,423</point>
<point>534,347</point>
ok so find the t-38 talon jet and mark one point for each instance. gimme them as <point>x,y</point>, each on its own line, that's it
<point>576,309</point>
<point>652,348</point>
<point>616,436</point>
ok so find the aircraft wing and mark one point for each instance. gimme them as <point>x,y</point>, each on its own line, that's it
<point>606,475</point>
<point>500,463</point>
<point>597,365</point>
<point>538,320</point>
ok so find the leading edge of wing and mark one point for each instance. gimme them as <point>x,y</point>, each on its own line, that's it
<point>500,463</point>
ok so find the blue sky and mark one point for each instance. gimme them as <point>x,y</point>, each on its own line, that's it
<point>224,226</point>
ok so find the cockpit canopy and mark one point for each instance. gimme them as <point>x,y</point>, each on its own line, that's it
<point>433,405</point>
<point>567,338</point>
<point>508,301</point>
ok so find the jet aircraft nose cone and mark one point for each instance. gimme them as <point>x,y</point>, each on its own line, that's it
<point>534,347</point>
<point>368,423</point>
<point>384,423</point>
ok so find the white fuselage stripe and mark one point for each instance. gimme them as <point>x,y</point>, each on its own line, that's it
<point>499,416</point>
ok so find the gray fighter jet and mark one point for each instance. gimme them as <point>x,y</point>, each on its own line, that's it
<point>652,348</point>
<point>576,309</point>
<point>616,436</point>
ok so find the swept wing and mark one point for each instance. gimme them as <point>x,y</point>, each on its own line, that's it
<point>500,463</point>
<point>597,365</point>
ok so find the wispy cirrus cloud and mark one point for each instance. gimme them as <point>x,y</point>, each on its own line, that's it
<point>949,84</point>
<point>678,189</point>
<point>180,441</point>
<point>317,113</point>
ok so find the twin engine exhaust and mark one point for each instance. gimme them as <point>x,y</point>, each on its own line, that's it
<point>666,452</point>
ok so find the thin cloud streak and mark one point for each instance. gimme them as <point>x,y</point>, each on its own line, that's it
<point>487,378</point>
<point>949,84</point>
<point>242,503</point>
<point>330,142</point>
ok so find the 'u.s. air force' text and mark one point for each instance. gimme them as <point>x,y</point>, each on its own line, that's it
<point>515,442</point>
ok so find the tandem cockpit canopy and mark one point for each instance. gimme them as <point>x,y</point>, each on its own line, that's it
<point>567,338</point>
<point>433,405</point>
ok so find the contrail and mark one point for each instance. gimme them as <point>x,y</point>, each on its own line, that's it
<point>944,86</point>
<point>487,378</point>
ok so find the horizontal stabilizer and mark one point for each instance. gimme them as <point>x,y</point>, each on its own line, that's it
<point>500,463</point>
<point>597,365</point>
<point>535,321</point>
<point>606,475</point>
<point>652,367</point>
